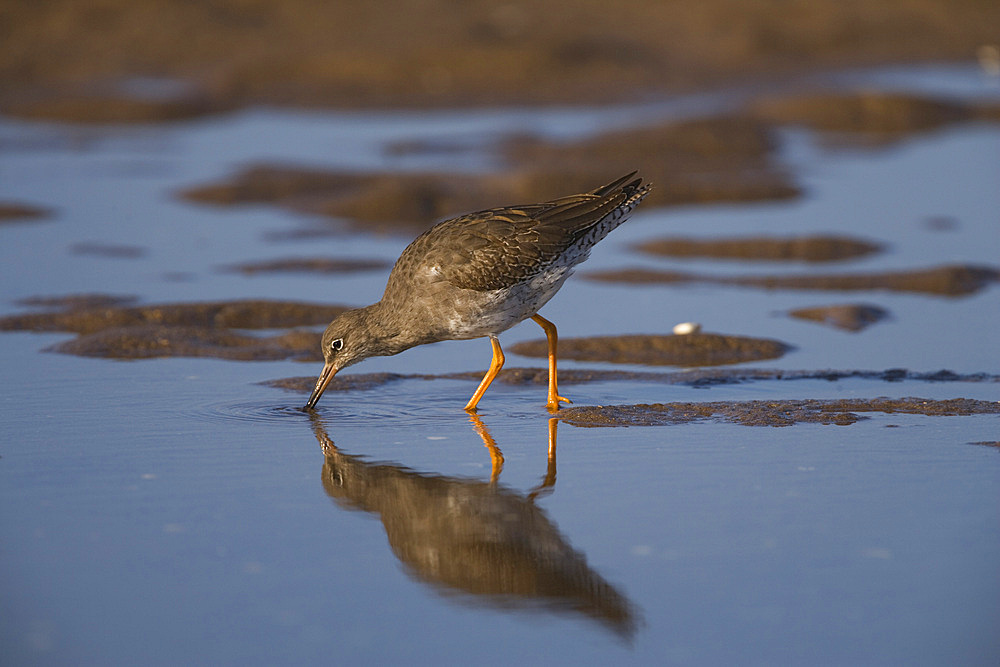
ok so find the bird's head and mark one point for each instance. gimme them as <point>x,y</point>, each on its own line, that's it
<point>345,342</point>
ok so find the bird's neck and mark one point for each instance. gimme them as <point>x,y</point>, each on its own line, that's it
<point>390,324</point>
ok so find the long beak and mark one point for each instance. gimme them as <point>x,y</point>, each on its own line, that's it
<point>324,379</point>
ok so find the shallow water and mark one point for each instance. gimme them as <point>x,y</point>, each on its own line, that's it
<point>173,510</point>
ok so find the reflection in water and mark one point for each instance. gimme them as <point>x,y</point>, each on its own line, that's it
<point>476,538</point>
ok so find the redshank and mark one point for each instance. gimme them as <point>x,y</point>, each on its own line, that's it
<point>478,275</point>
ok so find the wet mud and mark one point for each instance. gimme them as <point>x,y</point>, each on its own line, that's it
<point>849,317</point>
<point>952,280</point>
<point>151,341</point>
<point>699,378</point>
<point>874,117</point>
<point>711,159</point>
<point>697,349</point>
<point>13,212</point>
<point>803,249</point>
<point>707,160</point>
<point>209,329</point>
<point>840,412</point>
<point>122,61</point>
<point>78,301</point>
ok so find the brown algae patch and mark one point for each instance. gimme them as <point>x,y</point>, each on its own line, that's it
<point>322,265</point>
<point>801,249</point>
<point>700,349</point>
<point>850,317</point>
<point>180,329</point>
<point>770,413</point>
<point>951,280</point>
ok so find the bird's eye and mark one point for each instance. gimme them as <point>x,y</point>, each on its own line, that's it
<point>337,345</point>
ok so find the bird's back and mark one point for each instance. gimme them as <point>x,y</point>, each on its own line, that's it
<point>500,248</point>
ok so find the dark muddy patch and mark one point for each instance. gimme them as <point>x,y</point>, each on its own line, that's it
<point>941,223</point>
<point>850,317</point>
<point>151,340</point>
<point>804,249</point>
<point>208,329</point>
<point>97,103</point>
<point>987,443</point>
<point>709,160</point>
<point>78,301</point>
<point>211,314</point>
<point>770,413</point>
<point>13,212</point>
<point>109,251</point>
<point>698,378</point>
<point>874,117</point>
<point>698,349</point>
<point>953,280</point>
<point>713,159</point>
<point>322,265</point>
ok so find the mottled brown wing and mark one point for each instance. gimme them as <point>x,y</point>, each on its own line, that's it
<point>499,248</point>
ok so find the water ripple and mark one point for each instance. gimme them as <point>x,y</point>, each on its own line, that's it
<point>412,411</point>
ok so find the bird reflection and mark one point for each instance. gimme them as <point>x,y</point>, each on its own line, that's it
<point>477,538</point>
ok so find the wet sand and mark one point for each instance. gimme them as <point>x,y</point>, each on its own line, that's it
<point>120,61</point>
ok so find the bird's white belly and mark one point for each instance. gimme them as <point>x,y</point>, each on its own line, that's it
<point>498,310</point>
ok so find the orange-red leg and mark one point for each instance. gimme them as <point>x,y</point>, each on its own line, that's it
<point>495,365</point>
<point>553,337</point>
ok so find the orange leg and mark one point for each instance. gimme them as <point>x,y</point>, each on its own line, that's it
<point>553,337</point>
<point>495,365</point>
<point>496,455</point>
<point>549,481</point>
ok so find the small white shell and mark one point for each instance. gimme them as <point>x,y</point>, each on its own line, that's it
<point>685,328</point>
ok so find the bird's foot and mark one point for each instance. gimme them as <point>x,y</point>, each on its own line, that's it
<point>553,404</point>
